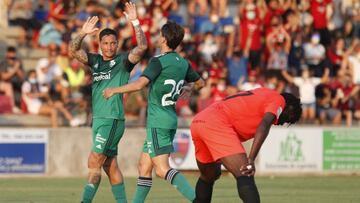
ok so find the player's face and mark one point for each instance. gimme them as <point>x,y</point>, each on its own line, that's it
<point>108,46</point>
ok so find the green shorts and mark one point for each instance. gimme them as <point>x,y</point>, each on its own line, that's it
<point>106,134</point>
<point>159,141</point>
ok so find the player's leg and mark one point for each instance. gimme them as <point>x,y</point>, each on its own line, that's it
<point>209,173</point>
<point>175,178</point>
<point>95,162</point>
<point>110,149</point>
<point>160,145</point>
<point>246,184</point>
<point>144,181</point>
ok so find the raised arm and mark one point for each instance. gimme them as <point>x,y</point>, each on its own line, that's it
<point>287,76</point>
<point>137,52</point>
<point>75,44</point>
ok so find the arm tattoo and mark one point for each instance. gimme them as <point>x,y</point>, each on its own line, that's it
<point>75,49</point>
<point>137,52</point>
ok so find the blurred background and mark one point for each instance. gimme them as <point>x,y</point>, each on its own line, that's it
<point>310,48</point>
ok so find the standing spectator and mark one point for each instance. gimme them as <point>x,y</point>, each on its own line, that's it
<point>319,11</point>
<point>353,15</point>
<point>296,55</point>
<point>307,85</point>
<point>11,71</point>
<point>278,43</point>
<point>335,54</point>
<point>275,8</point>
<point>208,48</point>
<point>315,55</point>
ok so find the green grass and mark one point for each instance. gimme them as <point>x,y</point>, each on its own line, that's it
<point>327,189</point>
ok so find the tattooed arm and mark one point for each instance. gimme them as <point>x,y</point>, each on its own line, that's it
<point>137,52</point>
<point>75,44</point>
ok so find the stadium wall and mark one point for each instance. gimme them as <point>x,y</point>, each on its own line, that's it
<point>63,152</point>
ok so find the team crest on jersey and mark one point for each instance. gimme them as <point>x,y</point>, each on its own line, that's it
<point>181,148</point>
<point>96,66</point>
<point>112,63</point>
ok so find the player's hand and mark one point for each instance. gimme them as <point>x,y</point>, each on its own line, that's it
<point>130,11</point>
<point>185,92</point>
<point>249,169</point>
<point>89,25</point>
<point>107,93</point>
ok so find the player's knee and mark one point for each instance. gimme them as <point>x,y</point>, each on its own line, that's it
<point>211,176</point>
<point>161,172</point>
<point>94,175</point>
<point>144,168</point>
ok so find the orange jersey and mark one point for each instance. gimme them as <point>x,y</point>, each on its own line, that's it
<point>244,111</point>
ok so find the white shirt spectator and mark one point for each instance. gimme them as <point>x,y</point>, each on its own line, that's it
<point>307,88</point>
<point>33,104</point>
<point>47,76</point>
<point>314,54</point>
<point>355,64</point>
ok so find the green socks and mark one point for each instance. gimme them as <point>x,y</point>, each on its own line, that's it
<point>89,192</point>
<point>142,189</point>
<point>180,183</point>
<point>118,191</point>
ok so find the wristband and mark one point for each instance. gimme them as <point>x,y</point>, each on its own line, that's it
<point>135,22</point>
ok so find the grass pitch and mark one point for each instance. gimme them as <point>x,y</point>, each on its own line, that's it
<point>327,189</point>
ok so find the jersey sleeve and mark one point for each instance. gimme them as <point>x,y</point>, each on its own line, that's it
<point>92,58</point>
<point>127,64</point>
<point>153,69</point>
<point>191,75</point>
<point>275,106</point>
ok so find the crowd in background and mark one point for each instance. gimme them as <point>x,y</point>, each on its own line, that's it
<point>307,47</point>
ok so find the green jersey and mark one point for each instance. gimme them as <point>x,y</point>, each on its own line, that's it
<point>106,74</point>
<point>167,72</point>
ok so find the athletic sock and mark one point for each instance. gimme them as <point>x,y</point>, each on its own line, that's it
<point>203,191</point>
<point>89,192</point>
<point>180,183</point>
<point>247,189</point>
<point>142,189</point>
<point>118,191</point>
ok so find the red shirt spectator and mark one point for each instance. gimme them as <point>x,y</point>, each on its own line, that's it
<point>251,21</point>
<point>318,11</point>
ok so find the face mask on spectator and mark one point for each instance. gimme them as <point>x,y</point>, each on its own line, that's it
<point>187,37</point>
<point>296,44</point>
<point>315,39</point>
<point>32,80</point>
<point>208,41</point>
<point>250,15</point>
<point>221,87</point>
<point>141,11</point>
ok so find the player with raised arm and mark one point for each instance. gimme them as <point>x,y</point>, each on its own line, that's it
<point>111,69</point>
<point>169,76</point>
<point>219,130</point>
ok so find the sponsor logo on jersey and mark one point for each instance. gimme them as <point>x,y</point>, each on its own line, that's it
<point>181,148</point>
<point>112,63</point>
<point>102,76</point>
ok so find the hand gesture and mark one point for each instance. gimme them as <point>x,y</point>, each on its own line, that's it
<point>89,25</point>
<point>185,92</point>
<point>249,169</point>
<point>107,93</point>
<point>130,11</point>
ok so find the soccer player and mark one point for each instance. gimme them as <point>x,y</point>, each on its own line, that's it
<point>219,130</point>
<point>110,69</point>
<point>169,76</point>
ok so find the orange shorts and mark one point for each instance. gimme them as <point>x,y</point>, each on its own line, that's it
<point>214,137</point>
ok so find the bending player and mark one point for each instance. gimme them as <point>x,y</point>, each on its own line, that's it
<point>110,69</point>
<point>219,130</point>
<point>166,74</point>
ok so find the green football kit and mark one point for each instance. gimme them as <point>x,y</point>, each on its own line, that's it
<point>167,73</point>
<point>108,114</point>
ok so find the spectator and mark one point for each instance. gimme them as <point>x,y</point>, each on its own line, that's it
<point>351,64</point>
<point>51,32</point>
<point>208,48</point>
<point>321,16</point>
<point>307,85</point>
<point>198,7</point>
<point>353,15</point>
<point>335,55</point>
<point>11,71</point>
<point>296,55</point>
<point>33,99</point>
<point>327,103</point>
<point>7,90</point>
<point>251,83</point>
<point>315,55</point>
<point>75,74</point>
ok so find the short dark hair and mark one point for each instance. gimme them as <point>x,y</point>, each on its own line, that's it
<point>293,110</point>
<point>107,31</point>
<point>11,49</point>
<point>173,33</point>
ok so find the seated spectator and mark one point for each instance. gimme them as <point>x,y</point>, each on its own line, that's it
<point>11,71</point>
<point>51,32</point>
<point>335,55</point>
<point>327,102</point>
<point>75,74</point>
<point>7,90</point>
<point>307,85</point>
<point>39,103</point>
